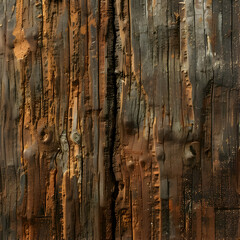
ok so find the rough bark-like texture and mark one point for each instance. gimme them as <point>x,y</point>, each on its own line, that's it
<point>119,119</point>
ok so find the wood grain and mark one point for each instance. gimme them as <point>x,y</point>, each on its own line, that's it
<point>119,119</point>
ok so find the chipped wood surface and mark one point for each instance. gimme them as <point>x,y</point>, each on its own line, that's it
<point>119,119</point>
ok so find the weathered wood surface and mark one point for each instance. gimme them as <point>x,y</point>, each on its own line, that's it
<point>119,119</point>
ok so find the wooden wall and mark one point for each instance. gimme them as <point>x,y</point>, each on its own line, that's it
<point>119,119</point>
